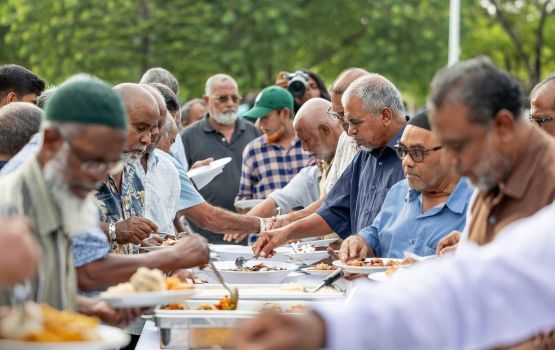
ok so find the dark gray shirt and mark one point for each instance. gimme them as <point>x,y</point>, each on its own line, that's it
<point>202,141</point>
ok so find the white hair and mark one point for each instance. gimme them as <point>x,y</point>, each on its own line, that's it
<point>170,122</point>
<point>215,79</point>
<point>375,93</point>
<point>162,76</point>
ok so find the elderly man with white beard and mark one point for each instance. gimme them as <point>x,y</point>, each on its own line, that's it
<point>84,133</point>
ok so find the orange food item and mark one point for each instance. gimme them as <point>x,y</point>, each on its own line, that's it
<point>64,326</point>
<point>174,283</point>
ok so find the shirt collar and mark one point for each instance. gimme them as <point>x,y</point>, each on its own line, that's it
<point>527,162</point>
<point>391,143</point>
<point>456,202</point>
<point>46,211</point>
<point>207,127</point>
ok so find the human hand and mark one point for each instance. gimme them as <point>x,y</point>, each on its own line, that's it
<point>186,276</point>
<point>280,221</point>
<point>116,317</point>
<point>18,245</point>
<point>269,240</point>
<point>152,241</point>
<point>354,247</point>
<point>281,79</point>
<point>235,237</point>
<point>448,243</point>
<point>276,332</point>
<point>191,250</point>
<point>134,230</point>
<point>200,163</point>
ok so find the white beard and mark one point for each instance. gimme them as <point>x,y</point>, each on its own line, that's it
<point>78,215</point>
<point>226,118</point>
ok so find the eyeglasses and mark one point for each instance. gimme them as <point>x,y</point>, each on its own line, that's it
<point>416,154</point>
<point>541,120</point>
<point>335,116</point>
<point>224,98</point>
<point>94,166</point>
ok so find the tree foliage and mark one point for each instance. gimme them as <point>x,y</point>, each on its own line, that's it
<point>406,40</point>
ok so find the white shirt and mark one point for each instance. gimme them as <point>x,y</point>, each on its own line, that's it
<point>497,294</point>
<point>162,188</point>
<point>344,154</point>
<point>302,190</point>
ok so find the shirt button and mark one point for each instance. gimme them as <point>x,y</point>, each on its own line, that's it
<point>223,139</point>
<point>412,241</point>
<point>380,163</point>
<point>492,220</point>
<point>373,187</point>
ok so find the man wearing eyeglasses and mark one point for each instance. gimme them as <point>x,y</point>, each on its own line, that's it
<point>420,210</point>
<point>477,112</point>
<point>220,134</point>
<point>542,103</point>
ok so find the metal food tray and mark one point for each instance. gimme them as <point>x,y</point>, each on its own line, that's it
<point>168,320</point>
<point>269,292</point>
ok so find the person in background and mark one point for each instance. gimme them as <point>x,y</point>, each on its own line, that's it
<point>312,86</point>
<point>542,105</point>
<point>220,134</point>
<point>18,84</point>
<point>192,111</point>
<point>19,121</point>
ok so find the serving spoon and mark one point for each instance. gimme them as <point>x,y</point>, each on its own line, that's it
<point>233,293</point>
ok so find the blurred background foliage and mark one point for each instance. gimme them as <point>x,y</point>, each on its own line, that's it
<point>405,40</point>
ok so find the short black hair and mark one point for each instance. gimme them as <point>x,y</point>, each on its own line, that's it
<point>169,96</point>
<point>19,80</point>
<point>324,93</point>
<point>479,85</point>
<point>19,121</point>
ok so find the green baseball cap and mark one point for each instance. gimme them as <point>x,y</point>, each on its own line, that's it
<point>270,99</point>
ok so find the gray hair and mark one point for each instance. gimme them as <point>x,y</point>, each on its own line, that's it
<point>215,79</point>
<point>186,108</point>
<point>19,121</point>
<point>170,122</point>
<point>375,93</point>
<point>162,76</point>
<point>479,85</point>
<point>45,96</point>
<point>550,79</point>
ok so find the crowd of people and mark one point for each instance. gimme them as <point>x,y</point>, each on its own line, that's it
<point>90,173</point>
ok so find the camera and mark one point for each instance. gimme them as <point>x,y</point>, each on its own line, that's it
<point>297,83</point>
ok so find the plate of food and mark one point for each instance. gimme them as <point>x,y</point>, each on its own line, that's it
<point>203,175</point>
<point>306,253</point>
<point>252,272</point>
<point>368,265</point>
<point>320,269</point>
<point>41,327</point>
<point>233,251</point>
<point>147,288</point>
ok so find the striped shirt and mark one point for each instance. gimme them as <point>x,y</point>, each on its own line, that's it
<point>269,166</point>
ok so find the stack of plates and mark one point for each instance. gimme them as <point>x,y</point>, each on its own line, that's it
<point>203,175</point>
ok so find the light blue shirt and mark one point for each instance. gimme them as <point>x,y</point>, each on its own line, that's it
<point>188,196</point>
<point>30,149</point>
<point>178,152</point>
<point>301,191</point>
<point>401,225</point>
<point>496,294</point>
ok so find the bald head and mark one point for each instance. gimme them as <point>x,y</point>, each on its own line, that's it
<point>317,131</point>
<point>542,104</point>
<point>143,116</point>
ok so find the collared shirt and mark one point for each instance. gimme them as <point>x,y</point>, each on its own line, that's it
<point>162,187</point>
<point>188,195</point>
<point>487,296</point>
<point>178,152</point>
<point>25,153</point>
<point>117,206</point>
<point>357,197</point>
<point>25,192</point>
<point>301,191</point>
<point>402,226</point>
<point>344,153</point>
<point>269,166</point>
<point>202,141</point>
<point>530,187</point>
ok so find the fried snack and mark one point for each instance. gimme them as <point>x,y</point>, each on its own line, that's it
<point>56,326</point>
<point>121,289</point>
<point>174,283</point>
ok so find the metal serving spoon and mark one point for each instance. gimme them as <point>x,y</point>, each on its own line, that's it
<point>233,293</point>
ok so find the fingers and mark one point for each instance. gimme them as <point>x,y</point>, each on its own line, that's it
<point>332,253</point>
<point>448,249</point>
<point>151,224</point>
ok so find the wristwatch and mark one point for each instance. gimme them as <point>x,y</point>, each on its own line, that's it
<point>262,225</point>
<point>112,234</point>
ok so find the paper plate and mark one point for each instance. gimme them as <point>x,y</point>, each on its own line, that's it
<point>203,175</point>
<point>308,258</point>
<point>111,338</point>
<point>147,299</point>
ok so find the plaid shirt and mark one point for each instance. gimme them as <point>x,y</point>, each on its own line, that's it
<point>268,167</point>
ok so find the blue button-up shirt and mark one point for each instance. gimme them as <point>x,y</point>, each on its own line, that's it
<point>358,195</point>
<point>402,226</point>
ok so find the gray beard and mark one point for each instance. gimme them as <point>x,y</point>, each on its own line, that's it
<point>78,215</point>
<point>227,118</point>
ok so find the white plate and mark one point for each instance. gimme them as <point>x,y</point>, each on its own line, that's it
<point>156,248</point>
<point>246,276</point>
<point>365,269</point>
<point>146,299</point>
<point>313,272</point>
<point>316,243</point>
<point>111,338</point>
<point>233,251</point>
<point>247,203</point>
<point>378,276</point>
<point>308,258</point>
<point>268,292</point>
<point>203,175</point>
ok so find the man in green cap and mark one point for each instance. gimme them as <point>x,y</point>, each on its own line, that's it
<point>84,133</point>
<point>273,159</point>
